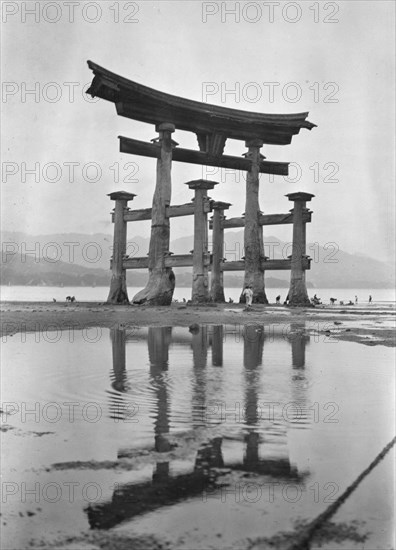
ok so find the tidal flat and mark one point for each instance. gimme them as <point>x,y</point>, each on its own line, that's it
<point>196,427</point>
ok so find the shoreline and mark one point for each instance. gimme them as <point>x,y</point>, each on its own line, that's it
<point>369,325</point>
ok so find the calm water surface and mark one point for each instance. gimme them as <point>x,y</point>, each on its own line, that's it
<point>204,439</point>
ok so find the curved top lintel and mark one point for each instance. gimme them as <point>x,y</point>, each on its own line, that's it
<point>140,102</point>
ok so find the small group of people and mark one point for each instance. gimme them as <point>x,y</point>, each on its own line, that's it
<point>278,300</point>
<point>315,301</point>
<point>351,303</point>
<point>248,293</point>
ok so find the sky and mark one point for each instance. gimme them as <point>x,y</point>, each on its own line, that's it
<point>60,152</point>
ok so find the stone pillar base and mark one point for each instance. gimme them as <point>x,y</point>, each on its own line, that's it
<point>200,285</point>
<point>159,289</point>
<point>118,293</point>
<point>298,295</point>
<point>217,295</point>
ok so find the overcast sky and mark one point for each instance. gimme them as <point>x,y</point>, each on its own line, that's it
<point>337,63</point>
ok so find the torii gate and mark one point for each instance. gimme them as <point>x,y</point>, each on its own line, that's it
<point>212,125</point>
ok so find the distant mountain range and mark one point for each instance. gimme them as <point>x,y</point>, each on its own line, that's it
<point>83,260</point>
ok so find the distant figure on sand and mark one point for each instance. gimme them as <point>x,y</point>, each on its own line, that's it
<point>333,301</point>
<point>356,299</point>
<point>278,299</point>
<point>248,293</point>
<point>370,299</point>
<point>315,300</point>
<point>230,301</point>
<point>286,300</point>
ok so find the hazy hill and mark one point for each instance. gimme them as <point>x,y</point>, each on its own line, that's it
<point>74,259</point>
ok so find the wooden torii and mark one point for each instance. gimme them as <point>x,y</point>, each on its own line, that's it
<point>213,125</point>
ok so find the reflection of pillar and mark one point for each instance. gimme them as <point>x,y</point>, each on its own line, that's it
<point>200,346</point>
<point>253,344</point>
<point>200,349</point>
<point>200,283</point>
<point>251,457</point>
<point>118,291</point>
<point>298,340</point>
<point>217,283</point>
<point>298,295</point>
<point>161,282</point>
<point>253,242</point>
<point>158,345</point>
<point>159,339</point>
<point>217,346</point>
<point>118,340</point>
<point>299,386</point>
<point>161,473</point>
<point>210,455</point>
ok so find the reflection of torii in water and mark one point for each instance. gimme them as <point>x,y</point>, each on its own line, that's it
<point>133,499</point>
<point>159,339</point>
<point>130,500</point>
<point>199,344</point>
<point>298,340</point>
<point>253,345</point>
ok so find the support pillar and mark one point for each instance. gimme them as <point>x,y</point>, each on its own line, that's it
<point>298,295</point>
<point>161,282</point>
<point>253,241</point>
<point>200,282</point>
<point>217,282</point>
<point>118,291</point>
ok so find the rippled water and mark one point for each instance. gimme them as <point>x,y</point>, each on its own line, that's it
<point>165,421</point>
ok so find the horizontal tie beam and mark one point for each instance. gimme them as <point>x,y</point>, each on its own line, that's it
<point>137,147</point>
<point>171,212</point>
<point>264,219</point>
<point>176,260</point>
<point>266,265</point>
<point>186,260</point>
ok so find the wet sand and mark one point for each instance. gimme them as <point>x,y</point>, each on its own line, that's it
<point>370,325</point>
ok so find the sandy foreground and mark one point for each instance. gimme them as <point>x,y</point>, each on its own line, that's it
<point>374,325</point>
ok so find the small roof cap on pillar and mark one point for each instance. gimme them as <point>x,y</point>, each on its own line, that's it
<point>221,205</point>
<point>121,195</point>
<point>299,196</point>
<point>201,184</point>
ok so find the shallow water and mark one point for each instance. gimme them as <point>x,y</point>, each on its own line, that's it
<point>204,439</point>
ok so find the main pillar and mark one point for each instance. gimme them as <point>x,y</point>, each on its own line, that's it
<point>217,283</point>
<point>161,282</point>
<point>200,282</point>
<point>298,295</point>
<point>118,291</point>
<point>253,241</point>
